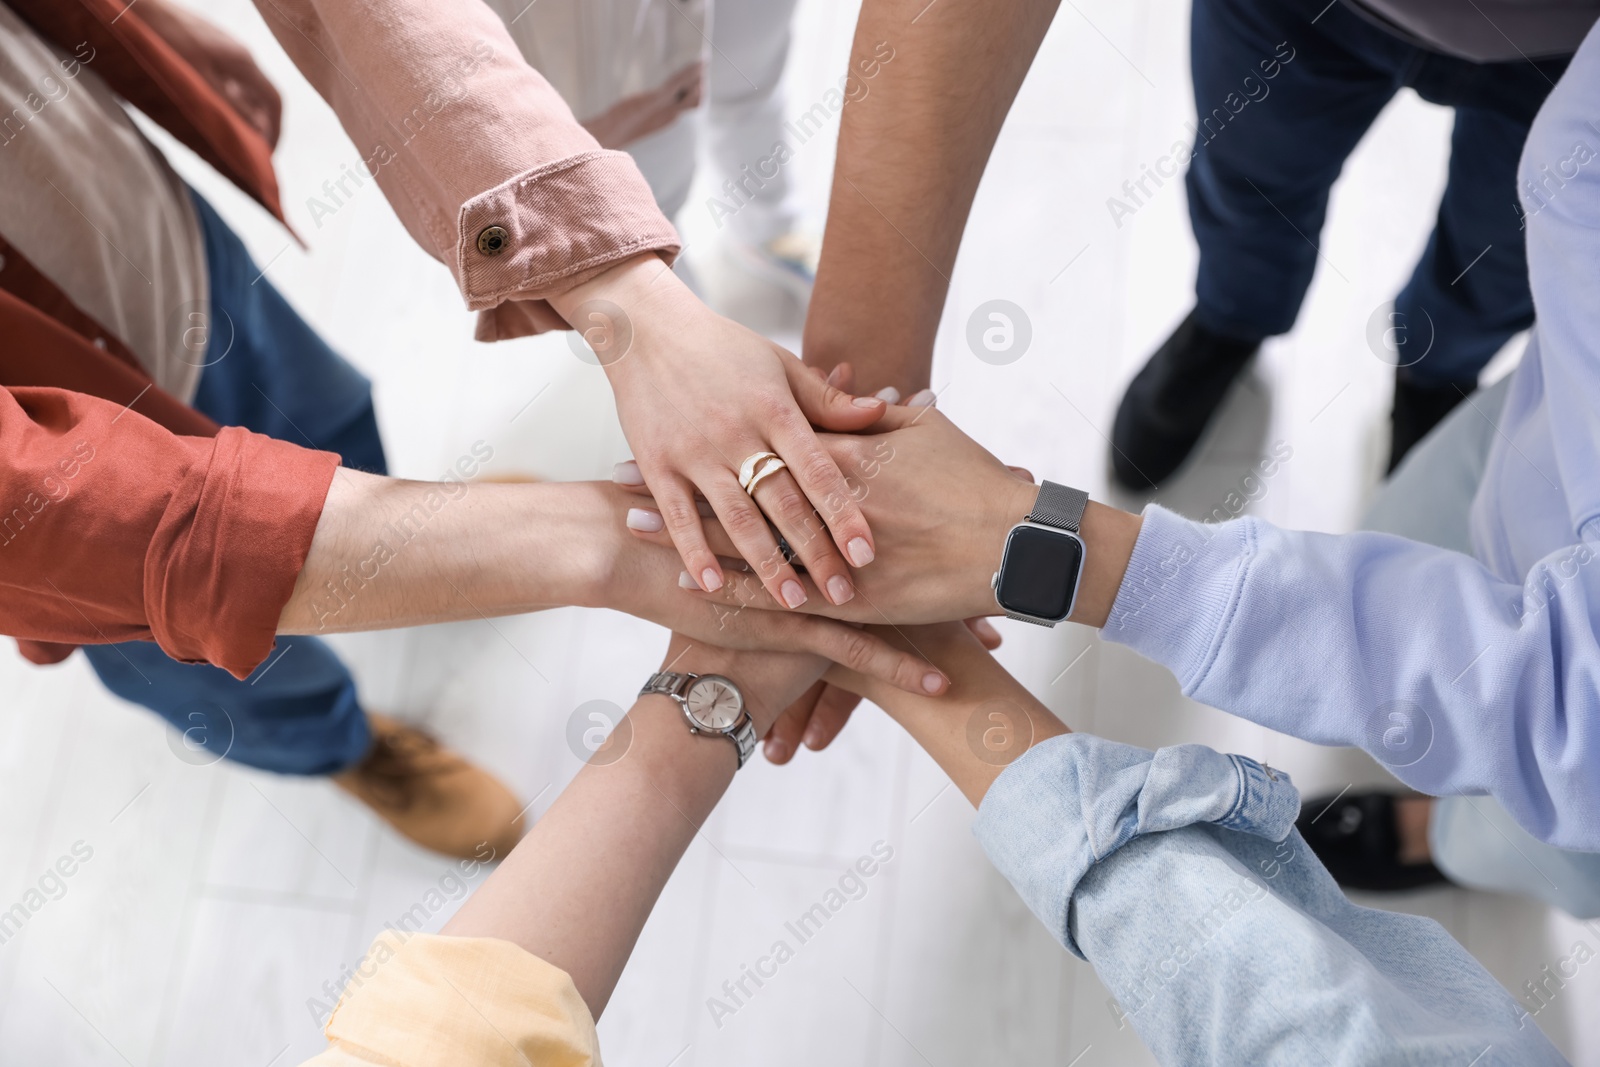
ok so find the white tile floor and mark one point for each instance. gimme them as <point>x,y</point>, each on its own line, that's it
<point>217,902</point>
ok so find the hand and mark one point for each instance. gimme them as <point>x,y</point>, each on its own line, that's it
<point>818,716</point>
<point>628,574</point>
<point>222,61</point>
<point>770,681</point>
<point>697,394</point>
<point>942,505</point>
<point>644,113</point>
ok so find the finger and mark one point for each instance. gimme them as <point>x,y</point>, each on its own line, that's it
<point>752,538</point>
<point>843,378</point>
<point>985,632</point>
<point>828,406</point>
<point>867,653</point>
<point>781,499</point>
<point>783,739</point>
<point>824,484</point>
<point>1021,472</point>
<point>681,521</point>
<point>828,717</point>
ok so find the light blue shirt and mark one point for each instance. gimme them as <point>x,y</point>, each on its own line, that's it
<point>1180,876</point>
<point>1464,675</point>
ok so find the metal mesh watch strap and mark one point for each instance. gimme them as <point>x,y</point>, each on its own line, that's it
<point>1059,506</point>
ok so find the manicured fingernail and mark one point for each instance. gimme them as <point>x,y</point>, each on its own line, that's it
<point>888,394</point>
<point>627,474</point>
<point>924,399</point>
<point>793,594</point>
<point>865,401</point>
<point>932,681</point>
<point>710,580</point>
<point>813,739</point>
<point>645,521</point>
<point>839,590</point>
<point>836,375</point>
<point>686,581</point>
<point>777,750</point>
<point>860,552</point>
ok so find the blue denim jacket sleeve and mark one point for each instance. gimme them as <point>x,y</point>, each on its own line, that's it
<point>1179,875</point>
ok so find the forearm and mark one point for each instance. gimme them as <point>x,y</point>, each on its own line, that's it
<point>911,153</point>
<point>392,553</point>
<point>1417,654</point>
<point>579,888</point>
<point>984,723</point>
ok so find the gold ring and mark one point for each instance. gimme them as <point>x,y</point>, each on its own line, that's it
<point>747,469</point>
<point>771,466</point>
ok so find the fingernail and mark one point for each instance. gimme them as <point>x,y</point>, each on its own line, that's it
<point>932,681</point>
<point>923,399</point>
<point>710,580</point>
<point>793,594</point>
<point>986,628</point>
<point>645,521</point>
<point>813,739</point>
<point>686,581</point>
<point>865,401</point>
<point>836,375</point>
<point>860,552</point>
<point>839,590</point>
<point>627,474</point>
<point>777,750</point>
<point>888,394</point>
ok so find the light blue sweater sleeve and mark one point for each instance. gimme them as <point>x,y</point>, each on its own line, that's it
<point>1459,682</point>
<point>1178,874</point>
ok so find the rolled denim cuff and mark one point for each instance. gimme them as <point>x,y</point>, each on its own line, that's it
<point>1073,801</point>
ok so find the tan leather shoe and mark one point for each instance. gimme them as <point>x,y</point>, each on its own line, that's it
<point>433,795</point>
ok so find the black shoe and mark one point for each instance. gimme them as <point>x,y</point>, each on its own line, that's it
<point>1357,839</point>
<point>1170,401</point>
<point>1418,409</point>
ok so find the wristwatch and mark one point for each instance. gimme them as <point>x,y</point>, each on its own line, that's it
<point>1043,562</point>
<point>711,704</point>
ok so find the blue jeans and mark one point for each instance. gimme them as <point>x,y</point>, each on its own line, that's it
<point>1268,149</point>
<point>268,371</point>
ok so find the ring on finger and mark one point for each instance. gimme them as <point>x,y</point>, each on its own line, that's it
<point>769,468</point>
<point>747,469</point>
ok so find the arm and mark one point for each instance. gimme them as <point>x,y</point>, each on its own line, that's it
<point>389,552</point>
<point>1326,638</point>
<point>617,832</point>
<point>1178,875</point>
<point>910,157</point>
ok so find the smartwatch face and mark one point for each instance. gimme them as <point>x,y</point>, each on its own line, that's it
<point>714,703</point>
<point>1040,572</point>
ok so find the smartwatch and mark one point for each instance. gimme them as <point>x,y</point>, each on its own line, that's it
<point>1043,562</point>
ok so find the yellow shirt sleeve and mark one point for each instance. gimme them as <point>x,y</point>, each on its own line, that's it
<point>422,1000</point>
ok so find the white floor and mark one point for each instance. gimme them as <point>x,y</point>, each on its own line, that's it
<point>217,903</point>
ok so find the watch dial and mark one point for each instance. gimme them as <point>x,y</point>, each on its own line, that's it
<point>714,703</point>
<point>1040,572</point>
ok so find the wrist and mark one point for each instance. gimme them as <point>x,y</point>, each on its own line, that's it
<point>579,528</point>
<point>612,309</point>
<point>1109,535</point>
<point>1009,503</point>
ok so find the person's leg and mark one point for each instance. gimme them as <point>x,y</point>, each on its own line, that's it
<point>1469,292</point>
<point>751,41</point>
<point>298,712</point>
<point>1259,180</point>
<point>744,127</point>
<point>1283,92</point>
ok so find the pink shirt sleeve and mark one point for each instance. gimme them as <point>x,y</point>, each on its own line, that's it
<point>479,155</point>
